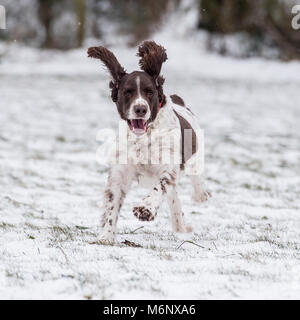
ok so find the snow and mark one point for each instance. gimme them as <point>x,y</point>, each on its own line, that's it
<point>52,106</point>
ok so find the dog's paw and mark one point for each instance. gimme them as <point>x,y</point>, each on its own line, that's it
<point>201,197</point>
<point>144,213</point>
<point>106,238</point>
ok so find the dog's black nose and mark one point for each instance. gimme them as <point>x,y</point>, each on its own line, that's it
<point>140,110</point>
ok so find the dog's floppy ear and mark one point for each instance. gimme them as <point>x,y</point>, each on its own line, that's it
<point>112,64</point>
<point>152,57</point>
<point>109,60</point>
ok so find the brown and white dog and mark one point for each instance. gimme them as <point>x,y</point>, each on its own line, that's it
<point>141,102</point>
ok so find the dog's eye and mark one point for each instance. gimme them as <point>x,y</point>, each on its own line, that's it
<point>149,92</point>
<point>127,93</point>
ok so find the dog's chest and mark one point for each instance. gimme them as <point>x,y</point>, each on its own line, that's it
<point>149,154</point>
<point>139,156</point>
<point>145,175</point>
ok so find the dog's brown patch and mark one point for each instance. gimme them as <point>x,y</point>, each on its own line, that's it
<point>109,195</point>
<point>143,214</point>
<point>177,100</point>
<point>186,150</point>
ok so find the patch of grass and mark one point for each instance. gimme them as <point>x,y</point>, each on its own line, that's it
<point>32,226</point>
<point>62,233</point>
<point>246,185</point>
<point>238,272</point>
<point>213,180</point>
<point>293,245</point>
<point>165,256</point>
<point>270,174</point>
<point>81,227</point>
<point>251,257</point>
<point>14,274</point>
<point>5,225</point>
<point>152,246</point>
<point>156,290</point>
<point>270,241</point>
<point>255,187</point>
<point>268,227</point>
<point>60,138</point>
<point>30,214</point>
<point>254,165</point>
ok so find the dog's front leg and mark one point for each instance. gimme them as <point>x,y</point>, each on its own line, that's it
<point>119,180</point>
<point>147,210</point>
<point>165,186</point>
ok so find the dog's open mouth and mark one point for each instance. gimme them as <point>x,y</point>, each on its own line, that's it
<point>138,126</point>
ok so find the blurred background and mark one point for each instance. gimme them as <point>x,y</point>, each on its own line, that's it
<point>234,27</point>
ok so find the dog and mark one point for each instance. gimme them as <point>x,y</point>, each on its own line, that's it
<point>142,104</point>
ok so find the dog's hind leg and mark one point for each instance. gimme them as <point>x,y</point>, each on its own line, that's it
<point>118,183</point>
<point>176,212</point>
<point>199,193</point>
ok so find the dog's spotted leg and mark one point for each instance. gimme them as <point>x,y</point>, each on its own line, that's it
<point>119,181</point>
<point>199,193</point>
<point>147,210</point>
<point>176,212</point>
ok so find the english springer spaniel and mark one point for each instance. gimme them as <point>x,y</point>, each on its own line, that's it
<point>141,103</point>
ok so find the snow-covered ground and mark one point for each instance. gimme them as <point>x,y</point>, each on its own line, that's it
<point>52,105</point>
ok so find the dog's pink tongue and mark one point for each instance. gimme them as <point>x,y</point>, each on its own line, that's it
<point>139,126</point>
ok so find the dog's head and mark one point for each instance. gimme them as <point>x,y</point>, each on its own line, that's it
<point>138,95</point>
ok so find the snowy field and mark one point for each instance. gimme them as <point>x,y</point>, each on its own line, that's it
<point>246,239</point>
